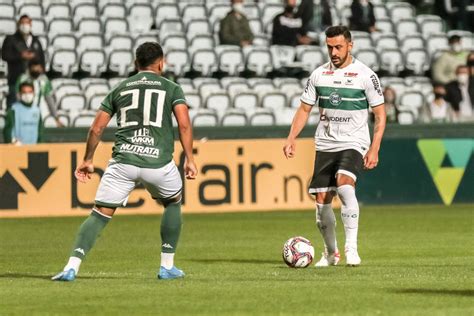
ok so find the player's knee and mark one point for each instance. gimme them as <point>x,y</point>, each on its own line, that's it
<point>170,200</point>
<point>324,197</point>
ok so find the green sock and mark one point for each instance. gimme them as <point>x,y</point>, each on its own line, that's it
<point>88,233</point>
<point>170,227</point>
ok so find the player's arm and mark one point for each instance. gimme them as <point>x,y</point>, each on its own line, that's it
<point>84,170</point>
<point>186,138</point>
<point>299,121</point>
<point>371,159</point>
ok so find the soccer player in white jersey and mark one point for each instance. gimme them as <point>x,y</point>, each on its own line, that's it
<point>344,89</point>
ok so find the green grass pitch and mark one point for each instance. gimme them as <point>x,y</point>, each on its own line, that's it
<point>415,261</point>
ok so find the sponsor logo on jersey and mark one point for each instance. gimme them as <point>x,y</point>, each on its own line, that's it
<point>140,150</point>
<point>337,119</point>
<point>376,84</point>
<point>335,98</point>
<point>349,82</point>
<point>142,137</point>
<point>350,74</point>
<point>328,73</point>
<point>337,82</point>
<point>145,81</point>
<point>307,86</point>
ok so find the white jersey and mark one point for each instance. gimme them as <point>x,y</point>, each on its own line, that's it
<point>343,96</point>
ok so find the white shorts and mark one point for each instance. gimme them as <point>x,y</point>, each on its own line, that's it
<point>120,179</point>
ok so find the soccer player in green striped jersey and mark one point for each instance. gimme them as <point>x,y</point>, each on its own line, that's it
<point>143,152</point>
<point>344,89</point>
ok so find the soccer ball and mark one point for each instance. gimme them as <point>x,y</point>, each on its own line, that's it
<point>298,252</point>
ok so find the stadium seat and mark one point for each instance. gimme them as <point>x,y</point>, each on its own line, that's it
<point>369,57</point>
<point>58,10</point>
<point>262,117</point>
<point>63,41</point>
<point>95,101</point>
<point>7,10</point>
<point>385,25</point>
<point>114,26</point>
<point>60,26</point>
<point>269,11</point>
<point>231,62</point>
<point>217,11</point>
<point>7,26</point>
<point>114,10</point>
<point>90,41</point>
<point>236,87</point>
<point>197,27</point>
<point>84,10</point>
<point>380,12</point>
<point>234,117</point>
<point>145,37</point>
<point>93,61</point>
<point>120,41</point>
<point>245,100</point>
<point>405,118</point>
<point>405,27</point>
<point>436,43</point>
<point>219,102</point>
<point>72,102</point>
<point>84,119</point>
<point>274,100</point>
<point>113,82</point>
<point>121,61</point>
<point>256,26</point>
<point>412,42</point>
<point>392,61</point>
<point>412,99</point>
<point>417,60</point>
<point>282,55</point>
<point>89,25</point>
<point>170,26</point>
<point>200,81</point>
<point>140,18</point>
<point>259,60</point>
<point>204,117</point>
<point>251,10</point>
<point>64,61</point>
<point>193,11</point>
<point>312,58</point>
<point>166,11</point>
<point>207,88</point>
<point>193,100</point>
<point>33,10</point>
<point>201,41</point>
<point>39,26</point>
<point>175,41</point>
<point>397,83</point>
<point>431,25</point>
<point>50,121</point>
<point>386,41</point>
<point>285,116</point>
<point>400,10</point>
<point>205,61</point>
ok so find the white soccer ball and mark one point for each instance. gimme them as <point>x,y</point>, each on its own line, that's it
<point>298,252</point>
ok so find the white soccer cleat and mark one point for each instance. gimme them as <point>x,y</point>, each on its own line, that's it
<point>328,259</point>
<point>352,257</point>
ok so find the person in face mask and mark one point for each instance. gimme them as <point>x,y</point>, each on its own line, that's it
<point>444,67</point>
<point>17,50</point>
<point>235,27</point>
<point>440,109</point>
<point>43,88</point>
<point>363,17</point>
<point>460,93</point>
<point>288,28</point>
<point>23,123</point>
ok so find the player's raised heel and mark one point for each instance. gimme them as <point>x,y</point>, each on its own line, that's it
<point>352,257</point>
<point>173,273</point>
<point>67,276</point>
<point>328,259</point>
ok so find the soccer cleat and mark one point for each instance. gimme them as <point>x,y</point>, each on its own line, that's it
<point>328,259</point>
<point>69,275</point>
<point>173,273</point>
<point>352,257</point>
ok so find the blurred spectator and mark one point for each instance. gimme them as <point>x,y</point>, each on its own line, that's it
<point>444,68</point>
<point>390,107</point>
<point>305,11</point>
<point>440,110</point>
<point>288,29</point>
<point>235,27</point>
<point>470,64</point>
<point>322,15</point>
<point>17,50</point>
<point>363,18</point>
<point>23,122</point>
<point>42,85</point>
<point>460,93</point>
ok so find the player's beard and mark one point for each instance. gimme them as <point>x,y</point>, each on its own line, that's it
<point>338,61</point>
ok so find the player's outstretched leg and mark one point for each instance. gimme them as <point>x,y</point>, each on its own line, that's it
<point>350,219</point>
<point>85,239</point>
<point>170,231</point>
<point>326,222</point>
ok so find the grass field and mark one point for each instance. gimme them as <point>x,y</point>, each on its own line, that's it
<point>415,261</point>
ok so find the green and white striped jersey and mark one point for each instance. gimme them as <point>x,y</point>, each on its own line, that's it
<point>144,105</point>
<point>343,96</point>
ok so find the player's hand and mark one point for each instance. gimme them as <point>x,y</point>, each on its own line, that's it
<point>190,170</point>
<point>289,149</point>
<point>371,159</point>
<point>84,170</point>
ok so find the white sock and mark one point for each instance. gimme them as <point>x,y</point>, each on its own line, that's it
<point>326,222</point>
<point>349,214</point>
<point>167,260</point>
<point>73,263</point>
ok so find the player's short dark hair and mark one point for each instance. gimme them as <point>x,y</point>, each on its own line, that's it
<point>34,62</point>
<point>147,53</point>
<point>26,84</point>
<point>454,39</point>
<point>24,16</point>
<point>337,30</point>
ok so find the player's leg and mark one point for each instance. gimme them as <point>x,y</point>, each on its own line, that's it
<point>165,185</point>
<point>115,186</point>
<point>350,166</point>
<point>323,185</point>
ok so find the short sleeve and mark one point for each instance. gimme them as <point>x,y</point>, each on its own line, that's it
<point>373,90</point>
<point>107,104</point>
<point>309,94</point>
<point>178,97</point>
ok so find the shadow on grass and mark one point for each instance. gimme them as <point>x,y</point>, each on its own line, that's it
<point>250,261</point>
<point>48,277</point>
<point>436,292</point>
